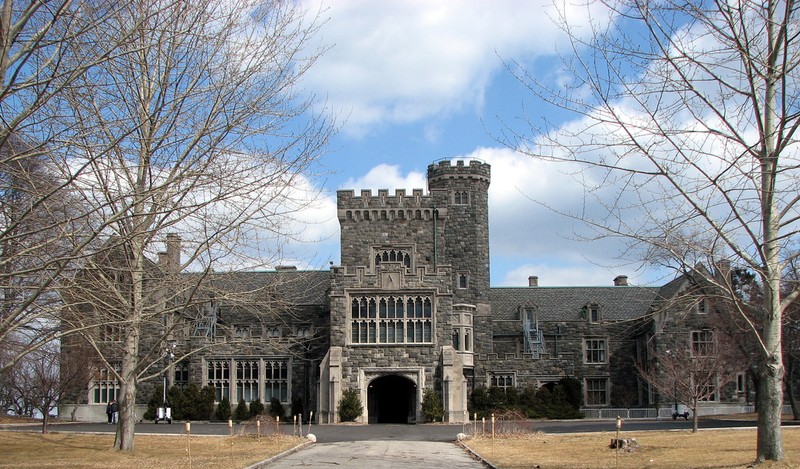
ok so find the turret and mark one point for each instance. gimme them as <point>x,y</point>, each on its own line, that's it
<point>461,191</point>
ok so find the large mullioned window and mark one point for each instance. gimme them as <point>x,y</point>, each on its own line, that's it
<point>403,319</point>
<point>595,351</point>
<point>253,378</point>
<point>104,386</point>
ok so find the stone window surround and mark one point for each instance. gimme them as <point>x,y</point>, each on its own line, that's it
<point>113,332</point>
<point>379,324</point>
<point>741,382</point>
<point>593,313</point>
<point>461,197</point>
<point>230,388</point>
<point>702,342</point>
<point>509,379</point>
<point>104,386</point>
<point>701,307</point>
<point>403,255</point>
<point>714,385</point>
<point>462,280</point>
<point>599,389</point>
<point>181,373</point>
<point>595,350</point>
<point>462,329</point>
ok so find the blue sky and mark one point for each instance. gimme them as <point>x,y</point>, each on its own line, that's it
<point>411,82</point>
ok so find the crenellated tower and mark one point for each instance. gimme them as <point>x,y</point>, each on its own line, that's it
<point>460,194</point>
<point>412,287</point>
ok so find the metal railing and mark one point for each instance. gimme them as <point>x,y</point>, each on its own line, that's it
<point>610,413</point>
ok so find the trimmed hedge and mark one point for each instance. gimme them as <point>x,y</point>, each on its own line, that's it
<point>561,401</point>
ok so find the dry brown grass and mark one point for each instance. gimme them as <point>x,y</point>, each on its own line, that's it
<point>669,450</point>
<point>22,449</point>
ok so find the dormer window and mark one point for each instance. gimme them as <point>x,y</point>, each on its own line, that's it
<point>592,313</point>
<point>702,306</point>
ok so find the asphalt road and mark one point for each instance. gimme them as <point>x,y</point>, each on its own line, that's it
<point>427,432</point>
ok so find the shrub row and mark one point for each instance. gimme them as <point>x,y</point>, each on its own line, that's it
<point>192,403</point>
<point>560,401</point>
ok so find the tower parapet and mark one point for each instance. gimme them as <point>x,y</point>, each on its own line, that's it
<point>397,207</point>
<point>442,170</point>
<point>462,188</point>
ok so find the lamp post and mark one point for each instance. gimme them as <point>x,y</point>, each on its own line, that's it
<point>164,412</point>
<point>674,387</point>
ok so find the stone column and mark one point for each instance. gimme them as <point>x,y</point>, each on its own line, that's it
<point>455,401</point>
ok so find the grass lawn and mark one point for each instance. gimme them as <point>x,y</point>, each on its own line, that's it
<point>73,450</point>
<point>663,449</point>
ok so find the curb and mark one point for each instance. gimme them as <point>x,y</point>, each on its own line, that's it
<point>266,462</point>
<point>475,455</point>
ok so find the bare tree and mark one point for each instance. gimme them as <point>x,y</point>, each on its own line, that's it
<point>198,129</point>
<point>38,381</point>
<point>41,54</point>
<point>689,375</point>
<point>687,145</point>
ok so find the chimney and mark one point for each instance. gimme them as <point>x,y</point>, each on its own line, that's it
<point>286,268</point>
<point>621,281</point>
<point>533,281</point>
<point>724,271</point>
<point>173,254</point>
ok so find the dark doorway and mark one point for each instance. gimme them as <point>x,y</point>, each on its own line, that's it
<point>392,399</point>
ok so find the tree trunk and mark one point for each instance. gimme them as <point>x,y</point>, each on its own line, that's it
<point>126,422</point>
<point>45,421</point>
<point>770,406</point>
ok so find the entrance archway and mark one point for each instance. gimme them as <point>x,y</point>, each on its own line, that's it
<point>392,399</point>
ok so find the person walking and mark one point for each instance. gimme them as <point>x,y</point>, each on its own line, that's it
<point>109,411</point>
<point>114,411</point>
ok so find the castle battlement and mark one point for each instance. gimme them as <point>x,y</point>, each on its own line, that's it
<point>397,207</point>
<point>346,199</point>
<point>445,169</point>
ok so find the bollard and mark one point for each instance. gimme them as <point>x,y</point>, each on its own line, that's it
<point>294,425</point>
<point>492,435</point>
<point>310,418</point>
<point>188,429</point>
<point>258,429</point>
<point>619,427</point>
<point>230,431</point>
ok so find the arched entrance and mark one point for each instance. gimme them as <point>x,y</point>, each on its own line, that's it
<point>391,399</point>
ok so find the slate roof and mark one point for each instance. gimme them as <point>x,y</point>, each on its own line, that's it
<point>298,287</point>
<point>567,303</point>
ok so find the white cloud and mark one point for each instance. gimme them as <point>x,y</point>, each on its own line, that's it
<point>404,60</point>
<point>553,275</point>
<point>386,176</point>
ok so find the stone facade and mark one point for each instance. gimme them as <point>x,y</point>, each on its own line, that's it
<point>410,308</point>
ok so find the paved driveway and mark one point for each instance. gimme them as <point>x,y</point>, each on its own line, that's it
<point>382,447</point>
<point>380,454</point>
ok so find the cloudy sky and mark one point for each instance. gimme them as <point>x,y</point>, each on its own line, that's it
<point>413,81</point>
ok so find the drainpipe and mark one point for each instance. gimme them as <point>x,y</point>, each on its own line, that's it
<point>435,251</point>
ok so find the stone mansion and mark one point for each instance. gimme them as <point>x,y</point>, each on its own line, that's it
<point>411,308</point>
